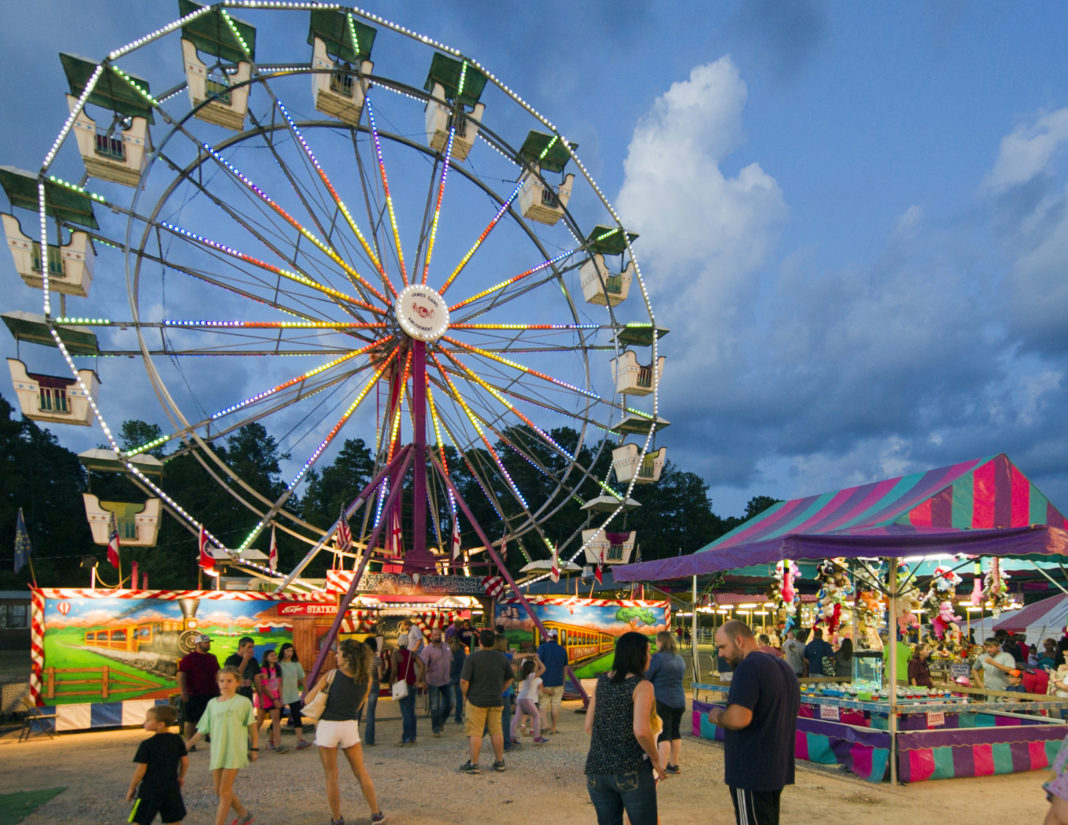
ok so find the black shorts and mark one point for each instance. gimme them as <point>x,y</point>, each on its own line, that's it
<point>167,803</point>
<point>672,718</point>
<point>194,708</point>
<point>294,713</point>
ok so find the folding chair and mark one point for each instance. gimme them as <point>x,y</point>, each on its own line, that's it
<point>45,722</point>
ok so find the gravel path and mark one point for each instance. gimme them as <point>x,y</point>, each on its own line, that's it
<point>543,784</point>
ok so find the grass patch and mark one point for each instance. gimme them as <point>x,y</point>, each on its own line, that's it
<point>14,807</point>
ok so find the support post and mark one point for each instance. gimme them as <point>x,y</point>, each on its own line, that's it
<point>693,635</point>
<point>891,589</point>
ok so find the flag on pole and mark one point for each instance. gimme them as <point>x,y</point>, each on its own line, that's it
<point>598,572</point>
<point>113,541</point>
<point>554,572</point>
<point>272,555</point>
<point>493,585</point>
<point>207,561</point>
<point>344,534</point>
<point>455,540</point>
<point>22,543</point>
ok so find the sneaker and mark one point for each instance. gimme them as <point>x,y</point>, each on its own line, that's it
<point>270,746</point>
<point>282,749</point>
<point>304,743</point>
<point>379,817</point>
<point>540,740</point>
<point>515,742</point>
<point>338,821</point>
<point>245,820</point>
<point>672,769</point>
<point>499,766</point>
<point>469,767</point>
<point>192,749</point>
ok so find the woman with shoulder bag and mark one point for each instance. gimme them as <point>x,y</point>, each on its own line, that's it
<point>406,675</point>
<point>623,764</point>
<point>337,726</point>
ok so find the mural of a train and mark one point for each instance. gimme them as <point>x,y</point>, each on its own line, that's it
<point>581,643</point>
<point>153,646</point>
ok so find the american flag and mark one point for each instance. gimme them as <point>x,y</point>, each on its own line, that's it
<point>22,542</point>
<point>113,541</point>
<point>272,555</point>
<point>598,572</point>
<point>554,572</point>
<point>344,535</point>
<point>206,560</point>
<point>494,586</point>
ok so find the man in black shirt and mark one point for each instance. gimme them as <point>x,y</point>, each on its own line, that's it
<point>245,662</point>
<point>759,725</point>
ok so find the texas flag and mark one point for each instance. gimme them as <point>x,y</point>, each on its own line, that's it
<point>113,542</point>
<point>272,555</point>
<point>206,561</point>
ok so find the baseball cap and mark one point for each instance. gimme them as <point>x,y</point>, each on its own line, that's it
<point>552,634</point>
<point>201,637</point>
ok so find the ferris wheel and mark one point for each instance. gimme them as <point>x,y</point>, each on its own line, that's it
<point>335,227</point>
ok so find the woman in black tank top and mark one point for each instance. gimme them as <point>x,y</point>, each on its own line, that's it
<point>349,685</point>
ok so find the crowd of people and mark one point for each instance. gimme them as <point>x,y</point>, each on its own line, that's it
<point>470,676</point>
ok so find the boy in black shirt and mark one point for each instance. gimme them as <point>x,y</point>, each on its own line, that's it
<point>161,766</point>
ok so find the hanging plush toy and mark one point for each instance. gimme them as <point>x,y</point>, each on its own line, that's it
<point>995,586</point>
<point>940,624</point>
<point>977,584</point>
<point>786,572</point>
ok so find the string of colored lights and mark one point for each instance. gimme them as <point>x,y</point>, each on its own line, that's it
<point>437,204</point>
<point>441,446</point>
<point>481,238</point>
<point>368,250</point>
<point>307,233</point>
<point>385,186</point>
<point>458,397</point>
<point>526,370</point>
<point>284,273</point>
<point>512,280</point>
<point>318,451</point>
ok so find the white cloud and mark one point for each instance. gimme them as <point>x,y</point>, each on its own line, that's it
<point>1028,150</point>
<point>704,233</point>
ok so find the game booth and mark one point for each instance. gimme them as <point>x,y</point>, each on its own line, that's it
<point>978,512</point>
<point>100,658</point>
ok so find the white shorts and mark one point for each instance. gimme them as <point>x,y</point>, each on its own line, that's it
<point>337,734</point>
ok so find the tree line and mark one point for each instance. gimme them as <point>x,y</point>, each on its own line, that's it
<point>46,480</point>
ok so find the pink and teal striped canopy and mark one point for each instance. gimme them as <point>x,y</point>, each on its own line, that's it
<point>981,507</point>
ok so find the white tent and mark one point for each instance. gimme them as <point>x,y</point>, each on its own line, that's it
<point>1042,620</point>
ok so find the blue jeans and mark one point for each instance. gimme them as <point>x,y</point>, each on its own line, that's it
<point>636,792</point>
<point>458,699</point>
<point>372,705</point>
<point>440,706</point>
<point>407,709</point>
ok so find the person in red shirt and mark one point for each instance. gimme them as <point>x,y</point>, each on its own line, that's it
<point>197,682</point>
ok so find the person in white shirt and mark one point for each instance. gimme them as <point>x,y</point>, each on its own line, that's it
<point>995,664</point>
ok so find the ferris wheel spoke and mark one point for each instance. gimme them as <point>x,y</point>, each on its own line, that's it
<point>446,162</point>
<point>310,236</point>
<point>341,206</point>
<point>295,277</point>
<point>501,212</point>
<point>529,371</point>
<point>385,188</point>
<point>513,280</point>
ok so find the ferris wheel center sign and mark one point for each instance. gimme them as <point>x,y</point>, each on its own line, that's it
<point>422,313</point>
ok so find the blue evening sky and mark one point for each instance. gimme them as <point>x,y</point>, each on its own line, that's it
<point>852,215</point>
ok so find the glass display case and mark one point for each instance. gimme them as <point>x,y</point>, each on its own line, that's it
<point>868,667</point>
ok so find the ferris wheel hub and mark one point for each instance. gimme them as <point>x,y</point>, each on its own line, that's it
<point>421,313</point>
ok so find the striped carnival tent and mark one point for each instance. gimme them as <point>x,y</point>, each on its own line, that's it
<point>983,507</point>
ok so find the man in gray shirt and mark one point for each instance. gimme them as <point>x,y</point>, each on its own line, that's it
<point>485,676</point>
<point>794,651</point>
<point>995,664</point>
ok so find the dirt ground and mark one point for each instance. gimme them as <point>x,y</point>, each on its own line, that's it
<point>421,785</point>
